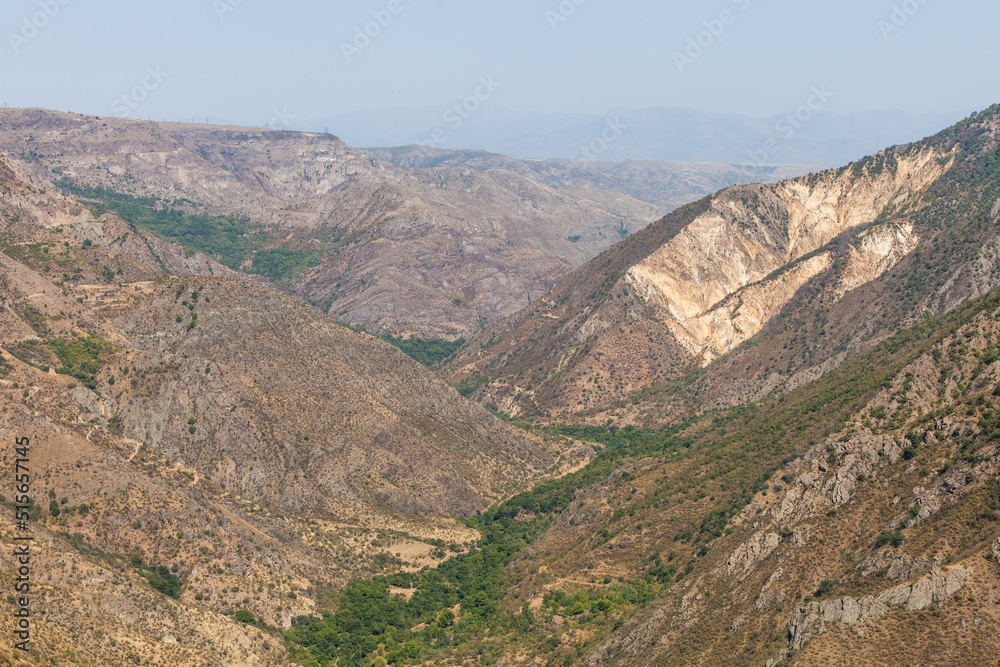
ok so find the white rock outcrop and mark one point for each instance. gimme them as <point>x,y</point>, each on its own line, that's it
<point>811,620</point>
<point>756,549</point>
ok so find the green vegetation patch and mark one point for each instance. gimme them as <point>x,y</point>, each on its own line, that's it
<point>429,352</point>
<point>368,619</point>
<point>228,239</point>
<point>471,385</point>
<point>159,577</point>
<point>82,358</point>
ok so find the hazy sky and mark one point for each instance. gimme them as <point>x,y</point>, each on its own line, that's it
<point>247,60</point>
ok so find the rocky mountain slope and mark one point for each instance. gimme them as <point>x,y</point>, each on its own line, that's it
<point>204,444</point>
<point>435,251</point>
<point>853,520</point>
<point>856,520</point>
<point>754,290</point>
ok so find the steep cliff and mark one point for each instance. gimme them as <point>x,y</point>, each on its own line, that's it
<point>754,290</point>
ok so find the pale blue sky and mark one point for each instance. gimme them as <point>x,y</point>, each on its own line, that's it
<point>287,56</point>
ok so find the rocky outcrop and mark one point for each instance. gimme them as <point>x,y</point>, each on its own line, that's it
<point>905,568</point>
<point>878,250</point>
<point>995,548</point>
<point>812,619</point>
<point>771,593</point>
<point>751,232</point>
<point>759,547</point>
<point>820,485</point>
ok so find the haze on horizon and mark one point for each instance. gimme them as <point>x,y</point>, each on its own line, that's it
<point>247,60</point>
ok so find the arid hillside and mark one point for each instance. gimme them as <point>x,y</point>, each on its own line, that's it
<point>761,431</point>
<point>754,290</point>
<point>204,444</point>
<point>438,251</point>
<point>852,521</point>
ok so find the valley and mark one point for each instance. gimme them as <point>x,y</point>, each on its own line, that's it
<point>754,427</point>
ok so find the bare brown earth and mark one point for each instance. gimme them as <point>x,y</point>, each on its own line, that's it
<point>261,452</point>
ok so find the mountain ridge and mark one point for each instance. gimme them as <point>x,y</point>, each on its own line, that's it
<point>657,133</point>
<point>861,222</point>
<point>435,252</point>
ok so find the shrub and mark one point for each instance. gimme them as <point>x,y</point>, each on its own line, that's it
<point>893,537</point>
<point>243,616</point>
<point>825,587</point>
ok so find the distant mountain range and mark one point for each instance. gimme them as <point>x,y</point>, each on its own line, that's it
<point>657,133</point>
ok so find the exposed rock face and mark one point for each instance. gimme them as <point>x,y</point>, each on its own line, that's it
<point>995,548</point>
<point>880,249</point>
<point>905,568</point>
<point>699,286</point>
<point>759,547</point>
<point>812,619</point>
<point>748,233</point>
<point>771,593</point>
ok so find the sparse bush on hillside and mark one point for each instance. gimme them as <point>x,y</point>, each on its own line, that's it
<point>243,616</point>
<point>893,537</point>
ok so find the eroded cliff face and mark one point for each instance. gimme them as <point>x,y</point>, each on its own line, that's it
<point>712,284</point>
<point>878,250</point>
<point>701,283</point>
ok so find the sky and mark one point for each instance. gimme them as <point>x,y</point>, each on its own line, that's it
<point>259,61</point>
